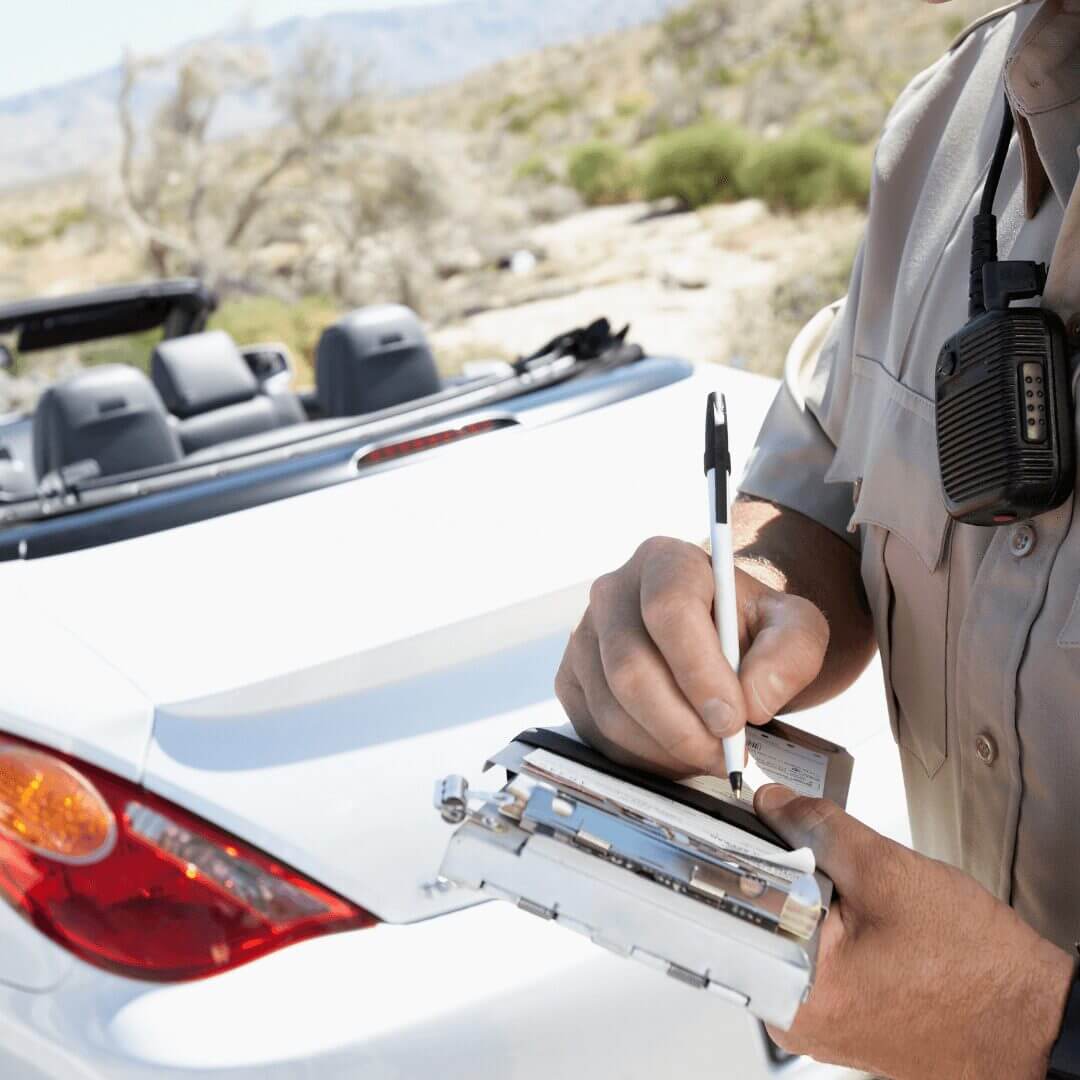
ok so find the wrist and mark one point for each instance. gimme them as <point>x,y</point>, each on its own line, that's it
<point>1047,987</point>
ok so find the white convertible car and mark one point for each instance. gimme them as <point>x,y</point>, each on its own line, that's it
<point>244,630</point>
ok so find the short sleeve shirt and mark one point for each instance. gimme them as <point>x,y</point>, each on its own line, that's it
<point>978,629</point>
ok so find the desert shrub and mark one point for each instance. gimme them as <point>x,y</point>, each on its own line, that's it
<point>698,164</point>
<point>66,218</point>
<point>19,237</point>
<point>527,113</point>
<point>626,108</point>
<point>535,170</point>
<point>805,169</point>
<point>601,173</point>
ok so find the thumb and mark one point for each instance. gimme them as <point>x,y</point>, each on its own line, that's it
<point>841,845</point>
<point>789,637</point>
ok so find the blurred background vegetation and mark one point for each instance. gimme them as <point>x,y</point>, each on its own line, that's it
<point>705,176</point>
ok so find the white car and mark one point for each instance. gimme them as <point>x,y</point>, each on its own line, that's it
<point>236,651</point>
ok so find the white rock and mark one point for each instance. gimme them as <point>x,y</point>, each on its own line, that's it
<point>685,274</point>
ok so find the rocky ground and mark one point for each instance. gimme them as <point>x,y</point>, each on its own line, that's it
<point>720,285</point>
<point>726,284</point>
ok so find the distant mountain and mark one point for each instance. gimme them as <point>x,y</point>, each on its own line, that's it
<point>67,127</point>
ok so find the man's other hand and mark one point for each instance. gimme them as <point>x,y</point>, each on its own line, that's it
<point>922,973</point>
<point>644,679</point>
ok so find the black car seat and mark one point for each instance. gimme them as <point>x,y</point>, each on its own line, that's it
<point>110,414</point>
<point>374,358</point>
<point>207,385</point>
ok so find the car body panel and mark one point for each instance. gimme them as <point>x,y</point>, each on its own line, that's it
<point>59,689</point>
<point>28,960</point>
<point>299,674</point>
<point>487,992</point>
<point>294,649</point>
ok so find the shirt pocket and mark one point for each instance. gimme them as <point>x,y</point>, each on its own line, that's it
<point>887,451</point>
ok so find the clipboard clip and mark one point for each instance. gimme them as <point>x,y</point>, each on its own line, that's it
<point>456,801</point>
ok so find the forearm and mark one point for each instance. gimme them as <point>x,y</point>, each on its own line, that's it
<point>793,554</point>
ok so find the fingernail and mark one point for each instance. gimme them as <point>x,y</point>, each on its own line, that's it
<point>773,798</point>
<point>719,717</point>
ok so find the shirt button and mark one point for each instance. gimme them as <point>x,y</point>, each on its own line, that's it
<point>986,748</point>
<point>1022,541</point>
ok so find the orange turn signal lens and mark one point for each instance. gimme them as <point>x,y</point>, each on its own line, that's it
<point>51,809</point>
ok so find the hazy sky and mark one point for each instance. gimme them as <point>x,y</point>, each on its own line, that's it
<point>51,41</point>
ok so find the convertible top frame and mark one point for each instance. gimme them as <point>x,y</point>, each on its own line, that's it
<point>180,306</point>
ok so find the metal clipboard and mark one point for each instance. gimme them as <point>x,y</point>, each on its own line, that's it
<point>646,886</point>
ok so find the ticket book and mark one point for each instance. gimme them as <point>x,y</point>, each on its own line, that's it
<point>678,875</point>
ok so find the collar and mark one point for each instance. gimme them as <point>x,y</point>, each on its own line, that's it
<point>1042,80</point>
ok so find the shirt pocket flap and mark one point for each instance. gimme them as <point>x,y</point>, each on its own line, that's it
<point>888,451</point>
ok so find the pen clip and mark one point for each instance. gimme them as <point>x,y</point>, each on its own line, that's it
<point>718,452</point>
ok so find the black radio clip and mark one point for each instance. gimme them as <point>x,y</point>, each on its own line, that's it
<point>1002,384</point>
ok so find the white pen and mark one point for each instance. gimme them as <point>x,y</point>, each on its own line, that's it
<point>725,605</point>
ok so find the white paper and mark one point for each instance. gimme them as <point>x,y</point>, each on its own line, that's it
<point>772,760</point>
<point>683,819</point>
<point>800,768</point>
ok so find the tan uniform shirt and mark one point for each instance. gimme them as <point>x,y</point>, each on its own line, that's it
<point>979,629</point>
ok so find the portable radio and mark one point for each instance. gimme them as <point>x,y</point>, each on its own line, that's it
<point>1002,384</point>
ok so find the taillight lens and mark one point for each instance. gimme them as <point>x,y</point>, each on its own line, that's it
<point>133,884</point>
<point>417,444</point>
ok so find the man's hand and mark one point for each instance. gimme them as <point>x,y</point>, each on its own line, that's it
<point>922,973</point>
<point>644,679</point>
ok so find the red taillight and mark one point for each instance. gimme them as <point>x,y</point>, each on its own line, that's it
<point>133,884</point>
<point>432,441</point>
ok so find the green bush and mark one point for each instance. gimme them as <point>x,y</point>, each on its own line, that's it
<point>535,170</point>
<point>805,169</point>
<point>601,173</point>
<point>697,165</point>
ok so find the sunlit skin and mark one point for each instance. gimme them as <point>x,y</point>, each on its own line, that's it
<point>922,973</point>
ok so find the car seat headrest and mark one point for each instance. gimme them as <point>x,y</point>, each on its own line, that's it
<point>374,358</point>
<point>111,415</point>
<point>201,372</point>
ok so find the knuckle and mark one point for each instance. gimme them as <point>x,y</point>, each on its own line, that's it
<point>811,622</point>
<point>812,818</point>
<point>656,547</point>
<point>564,684</point>
<point>600,594</point>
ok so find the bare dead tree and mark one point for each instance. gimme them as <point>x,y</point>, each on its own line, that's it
<point>391,194</point>
<point>189,200</point>
<point>319,108</point>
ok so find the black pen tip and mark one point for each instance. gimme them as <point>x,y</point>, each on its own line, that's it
<point>735,779</point>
